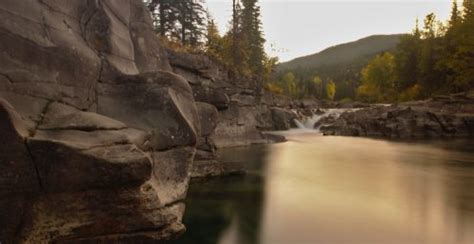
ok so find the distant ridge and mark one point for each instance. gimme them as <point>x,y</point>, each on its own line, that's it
<point>344,53</point>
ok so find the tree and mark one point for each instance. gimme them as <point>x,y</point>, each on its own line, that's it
<point>318,84</point>
<point>378,79</point>
<point>253,36</point>
<point>431,75</point>
<point>449,47</point>
<point>330,90</point>
<point>163,15</point>
<point>182,20</point>
<point>235,55</point>
<point>191,19</point>
<point>289,84</point>
<point>215,43</point>
<point>463,61</point>
<point>455,18</point>
<point>406,58</point>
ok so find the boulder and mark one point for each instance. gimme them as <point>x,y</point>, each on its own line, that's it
<point>202,65</point>
<point>282,119</point>
<point>238,127</point>
<point>65,169</point>
<point>62,117</point>
<point>208,117</point>
<point>161,103</point>
<point>171,174</point>
<point>212,96</point>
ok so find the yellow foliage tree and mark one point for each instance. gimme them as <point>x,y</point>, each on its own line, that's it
<point>330,90</point>
<point>378,80</point>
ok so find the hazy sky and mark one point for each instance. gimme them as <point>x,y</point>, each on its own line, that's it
<point>304,27</point>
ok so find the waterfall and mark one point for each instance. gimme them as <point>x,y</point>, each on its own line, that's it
<point>327,116</point>
<point>299,124</point>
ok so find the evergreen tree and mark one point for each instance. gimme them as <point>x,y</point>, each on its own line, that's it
<point>463,61</point>
<point>449,47</point>
<point>182,20</point>
<point>164,15</point>
<point>191,19</point>
<point>215,44</point>
<point>406,60</point>
<point>235,54</point>
<point>455,18</point>
<point>253,36</point>
<point>430,77</point>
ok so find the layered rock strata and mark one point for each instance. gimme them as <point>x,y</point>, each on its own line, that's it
<point>98,134</point>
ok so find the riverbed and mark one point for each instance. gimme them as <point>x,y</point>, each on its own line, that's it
<point>316,189</point>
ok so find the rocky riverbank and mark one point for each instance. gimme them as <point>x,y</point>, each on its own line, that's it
<point>450,116</point>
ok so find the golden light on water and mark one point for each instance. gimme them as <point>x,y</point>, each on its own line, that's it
<point>352,190</point>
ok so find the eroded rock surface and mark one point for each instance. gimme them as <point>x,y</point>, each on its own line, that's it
<point>243,110</point>
<point>98,134</point>
<point>449,116</point>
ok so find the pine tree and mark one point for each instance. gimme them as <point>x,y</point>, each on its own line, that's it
<point>455,18</point>
<point>406,59</point>
<point>182,20</point>
<point>164,14</point>
<point>215,44</point>
<point>431,76</point>
<point>253,36</point>
<point>463,61</point>
<point>191,19</point>
<point>449,47</point>
<point>235,54</point>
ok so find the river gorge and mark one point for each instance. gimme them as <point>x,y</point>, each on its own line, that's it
<point>110,135</point>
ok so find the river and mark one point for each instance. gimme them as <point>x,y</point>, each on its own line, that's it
<point>315,189</point>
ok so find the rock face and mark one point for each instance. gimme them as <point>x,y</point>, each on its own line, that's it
<point>243,111</point>
<point>443,116</point>
<point>99,134</point>
<point>282,119</point>
<point>231,109</point>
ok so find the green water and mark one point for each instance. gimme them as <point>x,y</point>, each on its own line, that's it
<point>316,189</point>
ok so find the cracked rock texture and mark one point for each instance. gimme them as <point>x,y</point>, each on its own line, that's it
<point>450,116</point>
<point>98,133</point>
<point>232,111</point>
<point>243,110</point>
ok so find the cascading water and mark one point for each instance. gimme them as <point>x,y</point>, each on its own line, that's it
<point>320,117</point>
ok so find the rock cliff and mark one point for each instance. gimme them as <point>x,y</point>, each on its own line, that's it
<point>233,112</point>
<point>98,133</point>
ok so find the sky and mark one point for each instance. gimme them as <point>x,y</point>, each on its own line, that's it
<point>295,28</point>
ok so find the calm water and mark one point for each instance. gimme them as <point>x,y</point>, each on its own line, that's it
<point>316,189</point>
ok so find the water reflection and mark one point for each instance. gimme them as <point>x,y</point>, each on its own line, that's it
<point>316,189</point>
<point>228,210</point>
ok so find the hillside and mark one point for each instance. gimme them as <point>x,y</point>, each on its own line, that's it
<point>341,64</point>
<point>344,53</point>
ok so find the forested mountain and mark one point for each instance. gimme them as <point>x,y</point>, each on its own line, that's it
<point>338,66</point>
<point>344,53</point>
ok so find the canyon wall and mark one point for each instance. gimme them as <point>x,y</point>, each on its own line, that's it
<point>98,133</point>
